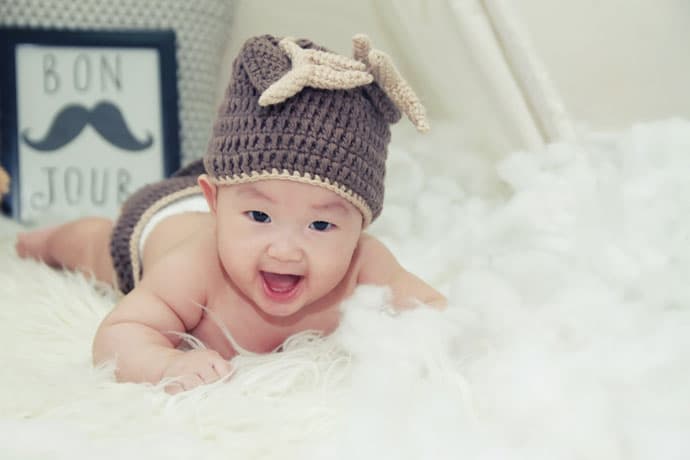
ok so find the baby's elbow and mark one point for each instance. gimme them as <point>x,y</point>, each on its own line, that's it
<point>100,349</point>
<point>438,302</point>
<point>435,300</point>
<point>109,340</point>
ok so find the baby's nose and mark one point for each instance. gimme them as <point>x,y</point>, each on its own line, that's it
<point>285,251</point>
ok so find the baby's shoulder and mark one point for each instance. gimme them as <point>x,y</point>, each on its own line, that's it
<point>375,262</point>
<point>192,257</point>
<point>370,246</point>
<point>180,277</point>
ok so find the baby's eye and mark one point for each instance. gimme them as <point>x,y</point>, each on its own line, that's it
<point>321,225</point>
<point>258,216</point>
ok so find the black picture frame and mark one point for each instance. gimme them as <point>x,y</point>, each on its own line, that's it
<point>162,42</point>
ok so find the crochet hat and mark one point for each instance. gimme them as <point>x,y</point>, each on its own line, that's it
<point>295,111</point>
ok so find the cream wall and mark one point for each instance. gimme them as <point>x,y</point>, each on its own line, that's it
<point>614,61</point>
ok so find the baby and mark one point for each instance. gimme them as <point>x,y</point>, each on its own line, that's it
<point>265,237</point>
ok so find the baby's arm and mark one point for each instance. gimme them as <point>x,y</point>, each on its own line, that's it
<point>379,266</point>
<point>136,334</point>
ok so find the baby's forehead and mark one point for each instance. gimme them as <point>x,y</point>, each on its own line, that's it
<point>291,192</point>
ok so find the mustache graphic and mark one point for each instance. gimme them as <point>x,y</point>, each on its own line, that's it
<point>105,118</point>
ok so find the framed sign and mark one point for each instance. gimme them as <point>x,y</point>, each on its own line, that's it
<point>87,117</point>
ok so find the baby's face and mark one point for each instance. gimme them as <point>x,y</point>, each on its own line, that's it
<point>285,244</point>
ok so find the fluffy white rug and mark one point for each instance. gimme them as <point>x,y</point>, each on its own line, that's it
<point>567,334</point>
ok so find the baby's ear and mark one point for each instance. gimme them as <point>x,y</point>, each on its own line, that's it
<point>210,192</point>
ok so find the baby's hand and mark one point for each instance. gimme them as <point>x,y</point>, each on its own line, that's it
<point>193,368</point>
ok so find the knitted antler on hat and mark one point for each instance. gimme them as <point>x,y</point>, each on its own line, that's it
<point>389,79</point>
<point>295,111</point>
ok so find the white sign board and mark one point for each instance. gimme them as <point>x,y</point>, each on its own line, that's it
<point>90,127</point>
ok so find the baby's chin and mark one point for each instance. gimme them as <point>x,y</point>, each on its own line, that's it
<point>280,310</point>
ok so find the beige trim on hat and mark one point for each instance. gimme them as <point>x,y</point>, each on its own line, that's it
<point>305,178</point>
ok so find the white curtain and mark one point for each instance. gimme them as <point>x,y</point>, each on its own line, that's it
<point>477,66</point>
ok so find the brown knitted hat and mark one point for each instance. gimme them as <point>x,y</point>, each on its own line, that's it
<point>295,111</point>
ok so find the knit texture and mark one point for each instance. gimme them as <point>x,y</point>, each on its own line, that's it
<point>334,138</point>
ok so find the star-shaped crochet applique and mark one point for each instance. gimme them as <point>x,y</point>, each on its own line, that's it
<point>316,69</point>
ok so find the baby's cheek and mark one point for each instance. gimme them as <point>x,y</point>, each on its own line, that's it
<point>235,257</point>
<point>335,268</point>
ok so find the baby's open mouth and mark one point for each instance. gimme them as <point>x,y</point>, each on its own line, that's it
<point>280,285</point>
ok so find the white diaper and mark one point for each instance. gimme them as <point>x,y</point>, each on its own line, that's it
<point>194,203</point>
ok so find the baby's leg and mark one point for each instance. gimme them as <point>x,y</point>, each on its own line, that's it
<point>82,245</point>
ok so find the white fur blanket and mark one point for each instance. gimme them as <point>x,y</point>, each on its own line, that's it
<point>567,334</point>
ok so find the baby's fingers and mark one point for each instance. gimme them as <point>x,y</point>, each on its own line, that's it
<point>212,371</point>
<point>195,368</point>
<point>222,367</point>
<point>184,383</point>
